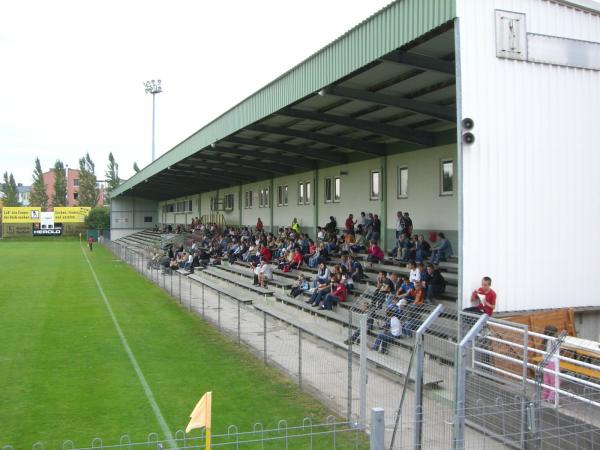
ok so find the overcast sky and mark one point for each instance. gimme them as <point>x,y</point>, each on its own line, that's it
<point>72,72</point>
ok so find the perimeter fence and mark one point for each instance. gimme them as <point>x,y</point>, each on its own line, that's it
<point>447,379</point>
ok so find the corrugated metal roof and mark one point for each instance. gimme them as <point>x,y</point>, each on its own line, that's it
<point>395,25</point>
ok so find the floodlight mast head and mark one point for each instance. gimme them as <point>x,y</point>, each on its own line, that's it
<point>153,87</point>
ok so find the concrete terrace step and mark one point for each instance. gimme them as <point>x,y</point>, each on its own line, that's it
<point>217,287</point>
<point>278,280</point>
<point>238,281</point>
<point>394,363</point>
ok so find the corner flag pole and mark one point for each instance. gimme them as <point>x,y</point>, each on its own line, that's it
<point>201,417</point>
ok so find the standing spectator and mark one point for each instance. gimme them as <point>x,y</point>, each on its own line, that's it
<point>376,228</point>
<point>408,225</point>
<point>369,226</point>
<point>552,366</point>
<point>399,224</point>
<point>259,225</point>
<point>331,227</point>
<point>295,226</point>
<point>484,298</point>
<point>349,225</point>
<point>90,242</point>
<point>363,221</point>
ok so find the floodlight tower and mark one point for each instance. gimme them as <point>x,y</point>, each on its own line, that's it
<point>153,87</point>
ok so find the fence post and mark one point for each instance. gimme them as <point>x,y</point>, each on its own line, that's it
<point>363,370</point>
<point>377,429</point>
<point>420,360</point>
<point>190,299</point>
<point>300,357</point>
<point>203,310</point>
<point>349,406</point>
<point>238,322</point>
<point>460,379</point>
<point>265,337</point>
<point>172,284</point>
<point>219,309</point>
<point>179,288</point>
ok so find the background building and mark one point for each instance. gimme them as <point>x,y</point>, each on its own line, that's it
<point>72,187</point>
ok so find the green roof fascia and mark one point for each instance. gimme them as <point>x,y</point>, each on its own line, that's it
<point>395,25</point>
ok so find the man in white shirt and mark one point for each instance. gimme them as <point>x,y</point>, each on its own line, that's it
<point>414,275</point>
<point>399,224</point>
<point>392,331</point>
<point>265,274</point>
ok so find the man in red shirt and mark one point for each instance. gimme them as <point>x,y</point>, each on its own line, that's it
<point>349,225</point>
<point>90,242</point>
<point>484,298</point>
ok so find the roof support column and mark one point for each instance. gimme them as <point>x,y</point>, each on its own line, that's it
<point>271,203</point>
<point>315,200</point>
<point>240,204</point>
<point>384,202</point>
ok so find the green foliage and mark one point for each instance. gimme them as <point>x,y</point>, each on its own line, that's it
<point>39,197</point>
<point>9,188</point>
<point>88,191</point>
<point>60,184</point>
<point>136,167</point>
<point>98,219</point>
<point>112,176</point>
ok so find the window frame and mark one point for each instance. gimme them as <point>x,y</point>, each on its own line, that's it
<point>443,162</point>
<point>328,198</point>
<point>301,193</point>
<point>371,185</point>
<point>337,190</point>
<point>399,193</point>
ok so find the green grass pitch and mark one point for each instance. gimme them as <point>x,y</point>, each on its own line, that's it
<point>64,373</point>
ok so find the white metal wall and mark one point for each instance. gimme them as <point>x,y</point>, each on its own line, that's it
<point>529,203</point>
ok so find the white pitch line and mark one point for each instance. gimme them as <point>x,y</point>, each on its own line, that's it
<point>134,363</point>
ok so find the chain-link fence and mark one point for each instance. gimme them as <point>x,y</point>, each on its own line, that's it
<point>446,379</point>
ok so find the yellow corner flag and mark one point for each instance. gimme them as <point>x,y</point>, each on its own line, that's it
<point>201,416</point>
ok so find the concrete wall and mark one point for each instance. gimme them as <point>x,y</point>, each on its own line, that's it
<point>530,179</point>
<point>127,215</point>
<point>428,209</point>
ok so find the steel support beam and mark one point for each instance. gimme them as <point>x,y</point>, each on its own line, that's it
<point>270,157</point>
<point>429,109</point>
<point>240,165</point>
<point>369,148</point>
<point>420,62</point>
<point>318,154</point>
<point>404,134</point>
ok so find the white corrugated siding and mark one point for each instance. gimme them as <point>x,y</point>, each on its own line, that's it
<point>530,182</point>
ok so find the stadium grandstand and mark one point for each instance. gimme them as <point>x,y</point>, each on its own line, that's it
<point>362,195</point>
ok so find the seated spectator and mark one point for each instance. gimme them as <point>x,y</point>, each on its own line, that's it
<point>383,287</point>
<point>442,249</point>
<point>360,243</point>
<point>348,242</point>
<point>299,287</point>
<point>320,234</point>
<point>323,287</point>
<point>356,270</point>
<point>265,253</point>
<point>407,291</point>
<point>434,283</point>
<point>322,276</point>
<point>375,254</point>
<point>265,274</point>
<point>296,259</point>
<point>422,249</point>
<point>483,300</point>
<point>414,274</point>
<point>392,330</point>
<point>338,294</point>
<point>419,294</point>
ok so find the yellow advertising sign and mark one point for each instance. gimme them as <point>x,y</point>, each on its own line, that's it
<point>21,214</point>
<point>65,214</point>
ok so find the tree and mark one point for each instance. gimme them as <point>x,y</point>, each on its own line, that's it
<point>88,191</point>
<point>135,167</point>
<point>39,196</point>
<point>112,175</point>
<point>60,184</point>
<point>98,219</point>
<point>11,193</point>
